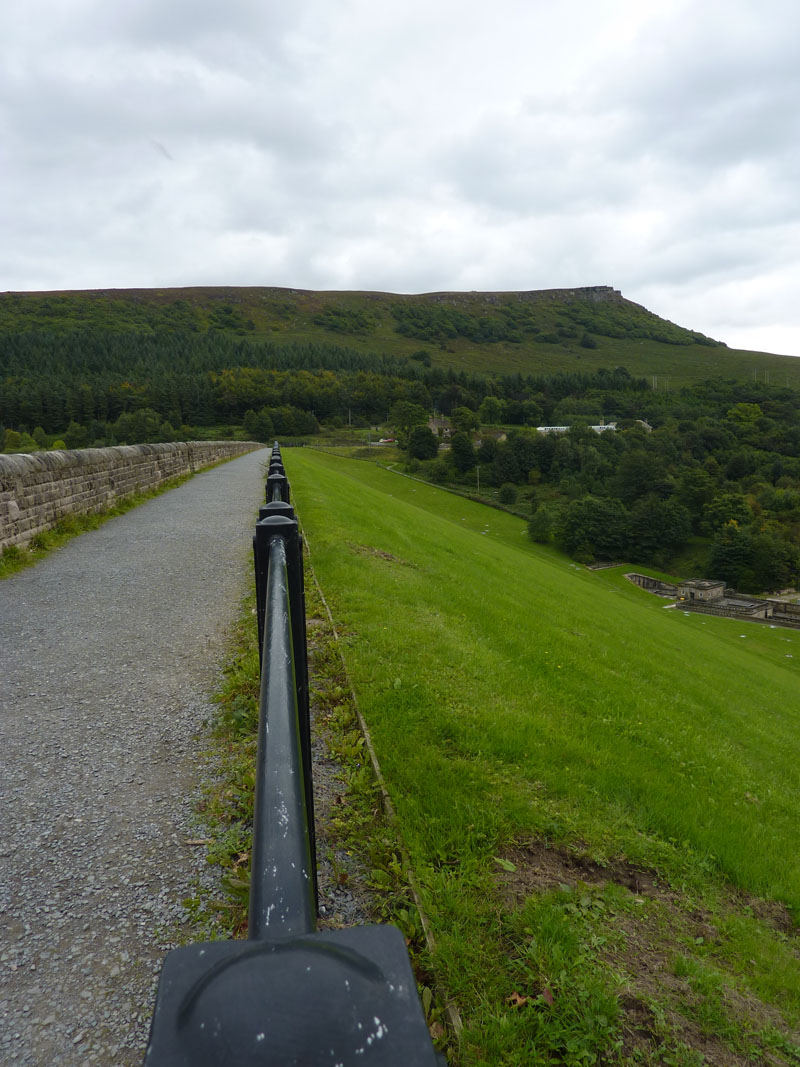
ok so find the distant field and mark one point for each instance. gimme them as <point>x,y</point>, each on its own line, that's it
<point>520,703</point>
<point>671,366</point>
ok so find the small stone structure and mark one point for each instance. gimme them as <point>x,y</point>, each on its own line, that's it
<point>653,585</point>
<point>732,605</point>
<point>37,490</point>
<point>786,611</point>
<point>704,589</point>
<point>712,597</point>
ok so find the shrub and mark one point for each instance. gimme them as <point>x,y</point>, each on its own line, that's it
<point>439,470</point>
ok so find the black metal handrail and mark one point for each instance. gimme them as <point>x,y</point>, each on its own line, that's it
<point>289,995</point>
<point>282,888</point>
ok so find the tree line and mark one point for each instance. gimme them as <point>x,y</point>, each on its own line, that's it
<point>710,474</point>
<point>715,466</point>
<point>92,379</point>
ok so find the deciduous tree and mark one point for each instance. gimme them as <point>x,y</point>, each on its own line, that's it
<point>463,453</point>
<point>422,443</point>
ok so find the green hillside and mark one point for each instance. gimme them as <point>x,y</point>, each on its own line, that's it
<point>599,796</point>
<point>538,332</point>
<point>708,470</point>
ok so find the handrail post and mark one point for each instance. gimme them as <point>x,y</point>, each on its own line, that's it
<point>266,511</point>
<point>277,488</point>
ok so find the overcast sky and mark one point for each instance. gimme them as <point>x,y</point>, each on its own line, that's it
<point>410,146</point>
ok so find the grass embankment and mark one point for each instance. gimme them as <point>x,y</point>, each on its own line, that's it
<point>598,795</point>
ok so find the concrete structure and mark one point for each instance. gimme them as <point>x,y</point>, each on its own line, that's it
<point>701,589</point>
<point>785,611</point>
<point>39,489</point>
<point>653,585</point>
<point>732,605</point>
<point>711,597</point>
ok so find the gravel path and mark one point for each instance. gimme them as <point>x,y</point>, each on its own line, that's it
<point>108,649</point>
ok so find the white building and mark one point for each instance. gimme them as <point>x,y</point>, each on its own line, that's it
<point>565,429</point>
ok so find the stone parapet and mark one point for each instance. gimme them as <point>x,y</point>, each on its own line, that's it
<point>653,585</point>
<point>37,490</point>
<point>742,611</point>
<point>783,607</point>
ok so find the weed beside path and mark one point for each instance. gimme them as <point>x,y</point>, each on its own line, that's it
<point>598,797</point>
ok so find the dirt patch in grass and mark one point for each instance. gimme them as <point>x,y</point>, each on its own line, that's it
<point>774,914</point>
<point>677,998</point>
<point>368,550</point>
<point>541,867</point>
<point>725,1024</point>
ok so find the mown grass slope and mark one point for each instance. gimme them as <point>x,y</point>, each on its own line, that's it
<point>523,707</point>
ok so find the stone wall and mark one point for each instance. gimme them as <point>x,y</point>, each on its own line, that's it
<point>782,607</point>
<point>37,490</point>
<point>785,621</point>
<point>744,612</point>
<point>653,585</point>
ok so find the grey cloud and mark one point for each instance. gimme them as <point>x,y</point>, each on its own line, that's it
<point>119,103</point>
<point>535,165</point>
<point>404,147</point>
<point>713,96</point>
<point>222,33</point>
